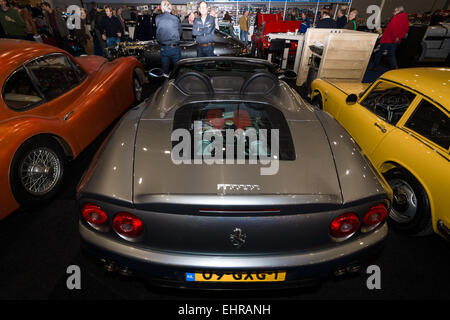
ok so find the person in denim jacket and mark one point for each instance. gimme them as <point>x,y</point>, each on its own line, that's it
<point>203,30</point>
<point>168,32</point>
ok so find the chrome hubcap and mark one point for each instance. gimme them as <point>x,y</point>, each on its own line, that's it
<point>137,89</point>
<point>404,208</point>
<point>40,171</point>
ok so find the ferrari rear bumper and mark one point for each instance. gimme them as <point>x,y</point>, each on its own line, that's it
<point>172,267</point>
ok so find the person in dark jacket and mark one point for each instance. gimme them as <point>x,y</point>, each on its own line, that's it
<point>341,20</point>
<point>392,36</point>
<point>168,33</point>
<point>95,19</point>
<point>144,27</point>
<point>203,30</point>
<point>227,17</point>
<point>111,28</point>
<point>56,25</point>
<point>326,22</point>
<point>352,23</point>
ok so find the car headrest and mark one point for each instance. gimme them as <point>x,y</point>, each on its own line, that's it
<point>259,83</point>
<point>194,82</point>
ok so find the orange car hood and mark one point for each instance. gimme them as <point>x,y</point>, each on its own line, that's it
<point>91,63</point>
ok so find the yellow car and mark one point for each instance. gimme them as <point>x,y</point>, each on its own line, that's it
<point>401,122</point>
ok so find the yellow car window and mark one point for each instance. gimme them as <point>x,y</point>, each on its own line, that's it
<point>388,101</point>
<point>431,123</point>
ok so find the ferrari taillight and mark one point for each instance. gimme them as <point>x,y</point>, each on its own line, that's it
<point>344,226</point>
<point>94,215</point>
<point>375,215</point>
<point>127,225</point>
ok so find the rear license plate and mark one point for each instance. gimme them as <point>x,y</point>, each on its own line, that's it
<point>273,276</point>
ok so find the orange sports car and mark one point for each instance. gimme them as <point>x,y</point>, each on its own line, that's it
<point>52,106</point>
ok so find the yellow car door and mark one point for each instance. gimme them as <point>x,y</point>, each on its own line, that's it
<point>375,115</point>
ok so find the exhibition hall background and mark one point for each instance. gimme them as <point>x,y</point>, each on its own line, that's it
<point>387,5</point>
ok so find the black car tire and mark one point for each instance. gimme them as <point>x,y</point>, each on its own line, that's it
<point>408,194</point>
<point>45,158</point>
<point>317,101</point>
<point>137,87</point>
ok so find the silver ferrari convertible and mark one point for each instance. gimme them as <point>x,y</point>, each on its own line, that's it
<point>227,178</point>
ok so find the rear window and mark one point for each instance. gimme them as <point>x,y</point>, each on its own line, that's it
<point>431,123</point>
<point>249,117</point>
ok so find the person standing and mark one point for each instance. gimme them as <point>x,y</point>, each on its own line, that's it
<point>326,22</point>
<point>11,22</point>
<point>30,25</point>
<point>352,24</point>
<point>306,23</point>
<point>121,19</point>
<point>227,17</point>
<point>95,18</point>
<point>214,15</point>
<point>126,14</point>
<point>244,25</point>
<point>82,36</point>
<point>341,20</point>
<point>392,36</point>
<point>203,30</point>
<point>56,25</point>
<point>189,19</point>
<point>258,11</point>
<point>111,28</point>
<point>168,33</point>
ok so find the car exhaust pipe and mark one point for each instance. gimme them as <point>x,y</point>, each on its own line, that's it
<point>112,267</point>
<point>125,271</point>
<point>351,268</point>
<point>340,272</point>
<point>109,266</point>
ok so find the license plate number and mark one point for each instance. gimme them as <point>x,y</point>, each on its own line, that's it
<point>273,276</point>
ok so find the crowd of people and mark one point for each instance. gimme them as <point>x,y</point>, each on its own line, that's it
<point>104,27</point>
<point>46,24</point>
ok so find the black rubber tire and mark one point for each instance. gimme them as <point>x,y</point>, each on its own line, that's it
<point>421,223</point>
<point>26,199</point>
<point>317,101</point>
<point>137,97</point>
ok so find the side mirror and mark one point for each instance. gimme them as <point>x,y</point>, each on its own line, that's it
<point>351,99</point>
<point>157,73</point>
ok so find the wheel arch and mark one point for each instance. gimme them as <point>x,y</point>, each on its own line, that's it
<point>68,151</point>
<point>391,164</point>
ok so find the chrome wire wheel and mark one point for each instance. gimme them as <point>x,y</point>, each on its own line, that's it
<point>404,208</point>
<point>137,89</point>
<point>40,171</point>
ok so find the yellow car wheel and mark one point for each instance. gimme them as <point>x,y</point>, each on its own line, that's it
<point>410,212</point>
